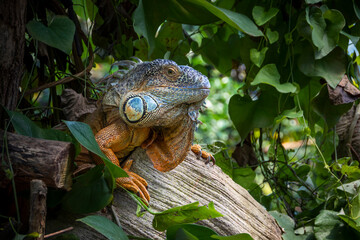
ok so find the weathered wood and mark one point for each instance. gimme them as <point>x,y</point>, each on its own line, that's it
<point>191,181</point>
<point>34,158</point>
<point>12,45</point>
<point>37,218</point>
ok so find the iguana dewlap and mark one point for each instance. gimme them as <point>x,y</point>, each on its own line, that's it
<point>155,105</point>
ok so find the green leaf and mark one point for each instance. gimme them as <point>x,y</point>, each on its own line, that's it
<point>312,1</point>
<point>351,188</point>
<point>326,26</point>
<point>323,106</point>
<point>355,207</point>
<point>104,226</point>
<point>146,21</point>
<point>59,34</point>
<point>245,177</point>
<point>273,36</point>
<point>355,224</point>
<point>258,57</point>
<point>85,11</point>
<point>198,231</point>
<point>184,214</point>
<point>83,133</point>
<point>261,16</point>
<point>90,192</point>
<point>240,236</point>
<point>148,17</point>
<point>288,224</point>
<point>332,67</point>
<point>354,39</point>
<point>234,19</point>
<point>24,126</point>
<point>328,225</point>
<point>270,75</point>
<point>247,114</point>
<point>289,113</point>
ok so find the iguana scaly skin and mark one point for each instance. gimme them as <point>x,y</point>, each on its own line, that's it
<point>154,105</point>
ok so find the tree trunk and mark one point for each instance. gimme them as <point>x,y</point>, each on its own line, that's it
<point>12,43</point>
<point>191,181</point>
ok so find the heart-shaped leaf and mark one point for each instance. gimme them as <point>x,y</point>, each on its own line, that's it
<point>273,36</point>
<point>59,34</point>
<point>332,67</point>
<point>247,114</point>
<point>258,57</point>
<point>261,16</point>
<point>326,26</point>
<point>270,75</point>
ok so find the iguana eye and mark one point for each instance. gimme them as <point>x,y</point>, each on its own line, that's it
<point>172,71</point>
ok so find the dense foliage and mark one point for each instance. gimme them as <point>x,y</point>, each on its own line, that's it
<point>271,65</point>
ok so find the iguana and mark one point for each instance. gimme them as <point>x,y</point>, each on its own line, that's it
<point>154,105</point>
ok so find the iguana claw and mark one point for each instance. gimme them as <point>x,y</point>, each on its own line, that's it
<point>196,148</point>
<point>134,183</point>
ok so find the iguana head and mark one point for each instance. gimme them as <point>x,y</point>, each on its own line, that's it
<point>158,93</point>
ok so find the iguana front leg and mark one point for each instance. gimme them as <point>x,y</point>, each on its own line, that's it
<point>122,139</point>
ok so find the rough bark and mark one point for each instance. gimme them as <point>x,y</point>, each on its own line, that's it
<point>12,43</point>
<point>37,219</point>
<point>191,181</point>
<point>348,130</point>
<point>34,158</point>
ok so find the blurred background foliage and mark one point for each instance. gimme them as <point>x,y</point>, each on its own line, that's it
<point>273,118</point>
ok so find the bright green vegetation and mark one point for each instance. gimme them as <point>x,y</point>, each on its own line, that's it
<point>270,64</point>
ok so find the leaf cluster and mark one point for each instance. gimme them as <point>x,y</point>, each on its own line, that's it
<point>271,65</point>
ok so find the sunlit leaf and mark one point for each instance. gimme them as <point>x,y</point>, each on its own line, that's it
<point>351,188</point>
<point>257,57</point>
<point>273,36</point>
<point>184,214</point>
<point>59,34</point>
<point>236,20</point>
<point>104,226</point>
<point>328,225</point>
<point>289,113</point>
<point>287,224</point>
<point>270,75</point>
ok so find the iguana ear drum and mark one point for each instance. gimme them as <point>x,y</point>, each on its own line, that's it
<point>136,107</point>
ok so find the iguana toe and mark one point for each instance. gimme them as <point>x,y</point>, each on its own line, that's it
<point>196,148</point>
<point>134,183</point>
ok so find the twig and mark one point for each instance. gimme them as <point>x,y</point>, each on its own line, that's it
<point>58,232</point>
<point>115,215</point>
<point>70,78</point>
